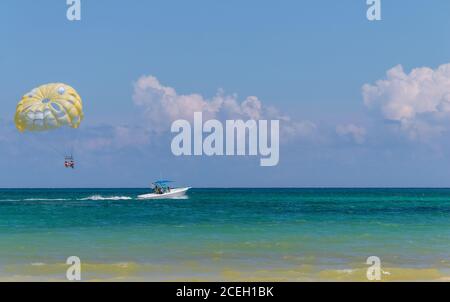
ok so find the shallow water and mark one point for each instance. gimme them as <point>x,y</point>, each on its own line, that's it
<point>226,234</point>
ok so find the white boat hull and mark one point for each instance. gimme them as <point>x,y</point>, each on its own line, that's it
<point>174,193</point>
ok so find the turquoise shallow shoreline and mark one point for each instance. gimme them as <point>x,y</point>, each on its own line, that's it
<point>225,234</point>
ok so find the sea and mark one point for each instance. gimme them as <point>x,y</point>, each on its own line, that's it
<point>270,234</point>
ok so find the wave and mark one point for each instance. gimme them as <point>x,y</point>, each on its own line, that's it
<point>99,197</point>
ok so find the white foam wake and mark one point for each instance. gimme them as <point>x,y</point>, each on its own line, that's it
<point>45,199</point>
<point>99,197</point>
<point>181,197</point>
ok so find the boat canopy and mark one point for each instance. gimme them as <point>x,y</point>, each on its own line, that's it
<point>162,182</point>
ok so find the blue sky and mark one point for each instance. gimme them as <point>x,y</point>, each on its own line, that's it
<point>308,59</point>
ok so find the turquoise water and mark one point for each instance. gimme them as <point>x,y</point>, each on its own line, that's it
<point>224,234</point>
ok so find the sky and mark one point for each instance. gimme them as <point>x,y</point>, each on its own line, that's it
<point>361,104</point>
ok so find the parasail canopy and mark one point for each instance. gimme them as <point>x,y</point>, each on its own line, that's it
<point>48,107</point>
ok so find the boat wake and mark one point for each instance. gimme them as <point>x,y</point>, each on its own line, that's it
<point>46,199</point>
<point>99,197</point>
<point>181,197</point>
<point>34,199</point>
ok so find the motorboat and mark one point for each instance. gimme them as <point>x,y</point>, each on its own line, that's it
<point>162,190</point>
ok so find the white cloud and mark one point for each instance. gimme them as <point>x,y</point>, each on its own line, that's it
<point>356,133</point>
<point>419,101</point>
<point>162,105</point>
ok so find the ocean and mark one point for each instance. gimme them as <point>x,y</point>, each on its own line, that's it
<point>225,234</point>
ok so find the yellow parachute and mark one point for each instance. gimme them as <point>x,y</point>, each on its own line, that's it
<point>49,107</point>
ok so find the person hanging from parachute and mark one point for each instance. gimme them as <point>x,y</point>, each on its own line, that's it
<point>49,107</point>
<point>69,162</point>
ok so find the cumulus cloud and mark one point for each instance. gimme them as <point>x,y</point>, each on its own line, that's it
<point>418,101</point>
<point>356,133</point>
<point>162,105</point>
